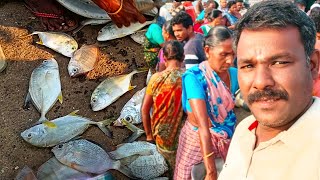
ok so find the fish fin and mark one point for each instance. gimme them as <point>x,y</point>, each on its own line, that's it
<point>42,119</point>
<point>143,69</point>
<point>40,42</point>
<point>74,113</point>
<point>131,87</point>
<point>109,121</point>
<point>116,156</point>
<point>137,132</point>
<point>126,171</point>
<point>60,98</point>
<point>49,124</point>
<point>27,101</point>
<point>102,126</point>
<point>26,173</point>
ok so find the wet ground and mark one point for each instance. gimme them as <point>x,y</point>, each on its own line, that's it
<point>121,56</point>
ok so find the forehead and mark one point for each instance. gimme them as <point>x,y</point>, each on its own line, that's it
<point>260,44</point>
<point>224,46</point>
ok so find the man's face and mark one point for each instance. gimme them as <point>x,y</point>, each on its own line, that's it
<point>274,77</point>
<point>233,9</point>
<point>239,6</point>
<point>180,32</point>
<point>223,3</point>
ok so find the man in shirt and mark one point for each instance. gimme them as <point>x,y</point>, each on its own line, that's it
<point>277,64</point>
<point>182,26</point>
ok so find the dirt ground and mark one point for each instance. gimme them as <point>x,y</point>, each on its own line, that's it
<point>23,56</point>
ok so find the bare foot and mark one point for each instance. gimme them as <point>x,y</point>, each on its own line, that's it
<point>51,14</point>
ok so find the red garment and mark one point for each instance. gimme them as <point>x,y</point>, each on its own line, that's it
<point>190,10</point>
<point>196,28</point>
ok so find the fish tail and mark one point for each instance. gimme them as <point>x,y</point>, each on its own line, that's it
<point>42,119</point>
<point>137,132</point>
<point>126,171</point>
<point>104,127</point>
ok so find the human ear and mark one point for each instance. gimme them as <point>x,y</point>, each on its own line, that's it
<point>314,63</point>
<point>206,50</point>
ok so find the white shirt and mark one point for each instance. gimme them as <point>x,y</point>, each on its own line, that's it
<point>293,154</point>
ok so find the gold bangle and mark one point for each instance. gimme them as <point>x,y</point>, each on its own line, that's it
<point>208,155</point>
<point>114,13</point>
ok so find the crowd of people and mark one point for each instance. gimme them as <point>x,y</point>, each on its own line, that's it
<point>203,53</point>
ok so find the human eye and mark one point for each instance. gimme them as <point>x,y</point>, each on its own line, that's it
<point>280,63</point>
<point>246,66</point>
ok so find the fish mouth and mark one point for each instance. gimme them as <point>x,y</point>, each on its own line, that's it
<point>118,122</point>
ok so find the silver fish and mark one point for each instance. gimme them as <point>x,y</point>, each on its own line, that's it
<point>131,111</point>
<point>25,174</point>
<point>44,87</point>
<point>90,22</point>
<point>63,129</point>
<point>111,31</point>
<point>3,62</point>
<point>109,90</point>
<point>54,170</point>
<point>86,156</point>
<point>57,41</point>
<point>139,36</point>
<point>83,60</point>
<point>143,167</point>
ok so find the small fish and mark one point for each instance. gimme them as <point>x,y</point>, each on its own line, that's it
<point>131,111</point>
<point>83,60</point>
<point>57,41</point>
<point>63,129</point>
<point>111,31</point>
<point>90,22</point>
<point>139,36</point>
<point>109,90</point>
<point>3,62</point>
<point>44,87</point>
<point>54,170</point>
<point>88,157</point>
<point>146,166</point>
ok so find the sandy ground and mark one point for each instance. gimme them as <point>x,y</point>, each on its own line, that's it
<point>24,55</point>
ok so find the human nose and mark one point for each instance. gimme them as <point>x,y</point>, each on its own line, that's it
<point>229,59</point>
<point>263,78</point>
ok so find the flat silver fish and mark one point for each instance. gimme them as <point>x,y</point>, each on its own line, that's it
<point>139,36</point>
<point>90,22</point>
<point>131,111</point>
<point>3,62</point>
<point>44,87</point>
<point>83,60</point>
<point>57,41</point>
<point>142,166</point>
<point>63,129</point>
<point>54,170</point>
<point>109,90</point>
<point>111,31</point>
<point>86,156</point>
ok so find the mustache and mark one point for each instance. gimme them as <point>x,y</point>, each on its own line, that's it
<point>267,94</point>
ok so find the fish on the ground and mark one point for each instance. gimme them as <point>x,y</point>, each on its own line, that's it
<point>131,111</point>
<point>88,157</point>
<point>137,132</point>
<point>111,31</point>
<point>54,170</point>
<point>63,129</point>
<point>109,90</point>
<point>142,166</point>
<point>25,174</point>
<point>57,41</point>
<point>139,36</point>
<point>83,60</point>
<point>44,87</point>
<point>90,22</point>
<point>3,62</point>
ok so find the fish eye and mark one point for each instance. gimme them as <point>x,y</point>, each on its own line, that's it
<point>73,48</point>
<point>74,69</point>
<point>29,135</point>
<point>60,146</point>
<point>128,118</point>
<point>94,100</point>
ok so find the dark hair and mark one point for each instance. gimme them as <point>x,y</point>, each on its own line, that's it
<point>230,3</point>
<point>277,14</point>
<point>182,18</point>
<point>168,27</point>
<point>302,2</point>
<point>241,1</point>
<point>315,16</point>
<point>213,14</point>
<point>173,50</point>
<point>217,35</point>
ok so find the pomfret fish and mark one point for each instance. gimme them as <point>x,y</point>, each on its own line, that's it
<point>109,90</point>
<point>90,22</point>
<point>86,156</point>
<point>54,170</point>
<point>3,62</point>
<point>44,87</point>
<point>60,130</point>
<point>83,60</point>
<point>139,36</point>
<point>59,42</point>
<point>142,166</point>
<point>131,111</point>
<point>111,31</point>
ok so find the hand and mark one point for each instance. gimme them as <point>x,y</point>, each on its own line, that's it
<point>121,12</point>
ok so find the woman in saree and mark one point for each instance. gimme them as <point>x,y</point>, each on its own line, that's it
<point>163,95</point>
<point>208,101</point>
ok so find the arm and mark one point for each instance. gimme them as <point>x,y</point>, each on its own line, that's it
<point>145,112</point>
<point>198,8</point>
<point>199,111</point>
